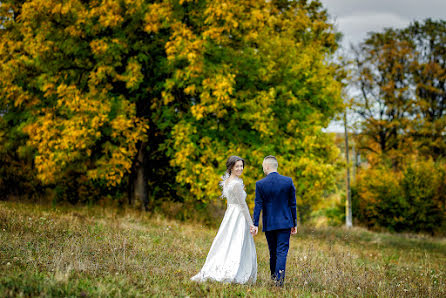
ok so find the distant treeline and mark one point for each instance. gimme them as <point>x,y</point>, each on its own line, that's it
<point>400,79</point>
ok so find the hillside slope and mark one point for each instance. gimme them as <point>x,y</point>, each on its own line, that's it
<point>92,251</point>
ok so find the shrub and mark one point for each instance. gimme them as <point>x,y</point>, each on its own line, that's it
<point>412,199</point>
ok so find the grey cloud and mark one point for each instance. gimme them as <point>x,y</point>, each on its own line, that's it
<point>354,18</point>
<point>412,9</point>
<point>355,28</point>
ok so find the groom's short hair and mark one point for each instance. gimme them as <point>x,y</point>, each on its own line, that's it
<point>272,161</point>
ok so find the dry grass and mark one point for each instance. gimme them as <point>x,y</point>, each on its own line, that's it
<point>94,251</point>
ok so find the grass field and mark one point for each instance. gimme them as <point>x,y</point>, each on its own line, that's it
<point>95,251</point>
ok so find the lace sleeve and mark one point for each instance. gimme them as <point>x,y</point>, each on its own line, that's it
<point>240,196</point>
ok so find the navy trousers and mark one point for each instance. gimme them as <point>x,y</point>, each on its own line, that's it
<point>278,244</point>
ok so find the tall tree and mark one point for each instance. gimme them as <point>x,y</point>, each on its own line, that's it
<point>265,86</point>
<point>401,77</point>
<point>428,72</point>
<point>159,94</point>
<point>80,78</point>
<point>384,103</point>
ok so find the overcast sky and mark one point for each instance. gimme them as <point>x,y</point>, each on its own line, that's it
<point>354,18</point>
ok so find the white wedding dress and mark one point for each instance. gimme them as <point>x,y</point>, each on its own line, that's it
<point>232,257</point>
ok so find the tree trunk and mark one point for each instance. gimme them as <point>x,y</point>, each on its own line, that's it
<point>139,197</point>
<point>348,207</point>
<point>131,186</point>
<point>354,162</point>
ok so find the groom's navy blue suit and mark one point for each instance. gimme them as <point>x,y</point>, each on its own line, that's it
<point>276,197</point>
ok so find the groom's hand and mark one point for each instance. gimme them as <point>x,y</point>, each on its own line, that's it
<point>294,231</point>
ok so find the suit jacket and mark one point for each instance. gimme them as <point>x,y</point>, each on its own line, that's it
<point>276,197</point>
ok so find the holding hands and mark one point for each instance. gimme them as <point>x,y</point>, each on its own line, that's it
<point>254,230</point>
<point>294,231</point>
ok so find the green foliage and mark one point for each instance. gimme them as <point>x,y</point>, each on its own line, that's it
<point>17,176</point>
<point>424,187</point>
<point>68,72</point>
<point>100,89</point>
<point>410,200</point>
<point>261,85</point>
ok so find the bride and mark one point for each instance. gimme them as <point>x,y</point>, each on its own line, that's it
<point>232,257</point>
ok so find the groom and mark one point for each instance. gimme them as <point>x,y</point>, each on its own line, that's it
<point>276,197</point>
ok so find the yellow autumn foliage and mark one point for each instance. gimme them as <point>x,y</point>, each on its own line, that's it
<point>174,88</point>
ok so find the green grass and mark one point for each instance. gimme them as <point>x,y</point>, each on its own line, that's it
<point>95,251</point>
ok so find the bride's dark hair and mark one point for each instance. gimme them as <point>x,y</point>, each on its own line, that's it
<point>231,162</point>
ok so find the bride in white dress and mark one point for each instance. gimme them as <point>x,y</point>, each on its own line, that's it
<point>232,257</point>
